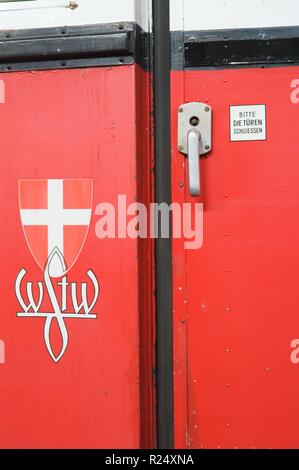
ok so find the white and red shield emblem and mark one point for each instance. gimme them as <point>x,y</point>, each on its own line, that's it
<point>55,215</point>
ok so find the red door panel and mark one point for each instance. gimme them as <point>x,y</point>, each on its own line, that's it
<point>241,286</point>
<point>69,126</point>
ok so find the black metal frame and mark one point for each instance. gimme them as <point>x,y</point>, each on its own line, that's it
<point>163,246</point>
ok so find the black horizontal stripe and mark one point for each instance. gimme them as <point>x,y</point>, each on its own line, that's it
<point>236,48</point>
<point>74,46</point>
<point>124,43</point>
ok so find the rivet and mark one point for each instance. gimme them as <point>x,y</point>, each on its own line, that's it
<point>183,321</point>
<point>225,195</point>
<point>227,385</point>
<point>195,380</point>
<point>207,109</point>
<point>218,447</point>
<point>207,147</point>
<point>195,426</point>
<point>194,412</point>
<point>227,350</point>
<point>226,270</point>
<point>267,369</point>
<point>227,234</point>
<point>227,309</point>
<point>227,425</point>
<point>180,288</point>
<point>181,110</point>
<point>181,185</point>
<point>181,147</point>
<point>201,446</point>
<point>203,305</point>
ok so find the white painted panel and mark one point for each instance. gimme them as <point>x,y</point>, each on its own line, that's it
<point>143,14</point>
<point>226,14</point>
<point>176,12</point>
<point>47,13</point>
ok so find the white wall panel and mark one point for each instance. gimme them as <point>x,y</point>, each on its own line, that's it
<point>143,14</point>
<point>226,14</point>
<point>176,15</point>
<point>47,13</point>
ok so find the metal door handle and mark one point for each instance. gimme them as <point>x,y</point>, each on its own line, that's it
<point>194,161</point>
<point>194,138</point>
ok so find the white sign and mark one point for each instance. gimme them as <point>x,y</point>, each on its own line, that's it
<point>248,122</point>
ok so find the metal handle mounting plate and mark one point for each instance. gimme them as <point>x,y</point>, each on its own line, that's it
<point>203,113</point>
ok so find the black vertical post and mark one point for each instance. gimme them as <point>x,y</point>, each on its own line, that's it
<point>163,246</point>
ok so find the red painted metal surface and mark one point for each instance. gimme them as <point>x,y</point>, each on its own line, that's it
<point>67,125</point>
<point>179,275</point>
<point>146,285</point>
<point>235,385</point>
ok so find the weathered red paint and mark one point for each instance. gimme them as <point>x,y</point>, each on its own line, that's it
<point>75,124</point>
<point>235,385</point>
<point>145,192</point>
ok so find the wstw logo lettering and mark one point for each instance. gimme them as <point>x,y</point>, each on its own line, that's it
<point>55,216</point>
